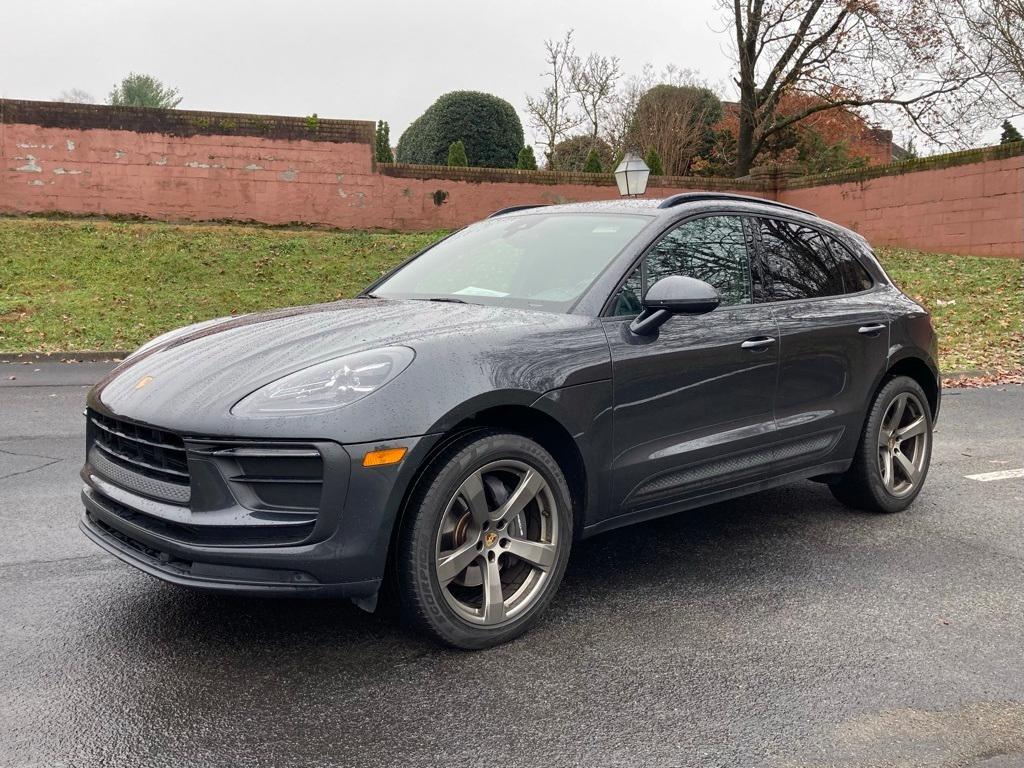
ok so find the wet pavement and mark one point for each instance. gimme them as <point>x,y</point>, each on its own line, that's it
<point>778,630</point>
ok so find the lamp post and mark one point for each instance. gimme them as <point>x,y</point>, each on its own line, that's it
<point>631,175</point>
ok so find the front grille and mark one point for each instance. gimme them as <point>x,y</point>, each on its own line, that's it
<point>212,492</point>
<point>142,450</point>
<point>128,477</point>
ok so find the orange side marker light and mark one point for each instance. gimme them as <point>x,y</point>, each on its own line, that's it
<point>383,457</point>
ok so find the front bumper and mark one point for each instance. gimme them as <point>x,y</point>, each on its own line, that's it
<point>171,565</point>
<point>220,534</point>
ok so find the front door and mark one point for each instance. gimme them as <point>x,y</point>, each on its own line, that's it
<point>693,403</point>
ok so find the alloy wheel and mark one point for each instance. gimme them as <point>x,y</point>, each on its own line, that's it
<point>497,543</point>
<point>903,444</point>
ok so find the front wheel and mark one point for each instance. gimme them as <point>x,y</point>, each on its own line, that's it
<point>895,449</point>
<point>486,540</point>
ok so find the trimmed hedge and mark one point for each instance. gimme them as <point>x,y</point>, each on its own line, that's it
<point>488,127</point>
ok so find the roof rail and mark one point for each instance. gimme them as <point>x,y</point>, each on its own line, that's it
<point>693,197</point>
<point>514,208</point>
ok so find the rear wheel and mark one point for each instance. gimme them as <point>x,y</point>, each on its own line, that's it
<point>895,448</point>
<point>487,541</point>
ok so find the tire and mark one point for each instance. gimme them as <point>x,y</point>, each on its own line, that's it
<point>875,483</point>
<point>493,508</point>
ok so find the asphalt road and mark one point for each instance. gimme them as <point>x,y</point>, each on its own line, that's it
<point>777,630</point>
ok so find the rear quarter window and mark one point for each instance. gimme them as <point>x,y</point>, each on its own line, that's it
<point>855,277</point>
<point>800,264</point>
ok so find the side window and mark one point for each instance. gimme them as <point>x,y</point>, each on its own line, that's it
<point>712,249</point>
<point>855,277</point>
<point>800,263</point>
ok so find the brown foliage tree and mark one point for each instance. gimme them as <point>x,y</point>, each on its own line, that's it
<point>830,140</point>
<point>571,154</point>
<point>675,120</point>
<point>904,54</point>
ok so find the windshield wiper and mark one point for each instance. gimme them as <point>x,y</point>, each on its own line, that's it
<point>368,296</point>
<point>449,299</point>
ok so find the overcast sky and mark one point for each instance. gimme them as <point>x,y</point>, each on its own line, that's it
<point>341,59</point>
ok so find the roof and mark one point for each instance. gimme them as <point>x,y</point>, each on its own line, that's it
<point>656,206</point>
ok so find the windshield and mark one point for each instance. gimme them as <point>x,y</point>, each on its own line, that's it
<point>538,261</point>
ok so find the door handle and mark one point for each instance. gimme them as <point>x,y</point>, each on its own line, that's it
<point>758,342</point>
<point>872,329</point>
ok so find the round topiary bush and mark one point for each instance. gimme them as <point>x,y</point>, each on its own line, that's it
<point>488,127</point>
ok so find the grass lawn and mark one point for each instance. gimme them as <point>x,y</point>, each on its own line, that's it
<point>95,285</point>
<point>977,305</point>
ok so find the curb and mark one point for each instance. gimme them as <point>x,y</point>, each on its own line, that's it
<point>970,374</point>
<point>113,356</point>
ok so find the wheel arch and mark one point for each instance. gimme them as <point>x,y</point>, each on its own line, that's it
<point>521,419</point>
<point>539,426</point>
<point>917,369</point>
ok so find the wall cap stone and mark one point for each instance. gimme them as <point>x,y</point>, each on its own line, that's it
<point>933,162</point>
<point>517,176</point>
<point>183,122</point>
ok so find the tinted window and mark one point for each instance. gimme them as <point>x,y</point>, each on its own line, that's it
<point>855,277</point>
<point>800,263</point>
<point>711,249</point>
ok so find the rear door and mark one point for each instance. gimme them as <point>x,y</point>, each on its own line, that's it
<point>693,404</point>
<point>834,338</point>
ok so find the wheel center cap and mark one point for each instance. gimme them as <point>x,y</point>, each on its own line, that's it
<point>490,538</point>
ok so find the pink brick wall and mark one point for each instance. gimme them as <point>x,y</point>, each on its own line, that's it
<point>186,178</point>
<point>975,209</point>
<point>244,178</point>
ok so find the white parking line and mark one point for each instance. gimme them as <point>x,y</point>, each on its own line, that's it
<point>1003,474</point>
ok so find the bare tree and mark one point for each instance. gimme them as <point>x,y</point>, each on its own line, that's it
<point>997,26</point>
<point>551,113</point>
<point>593,80</point>
<point>622,106</point>
<point>76,96</point>
<point>903,54</point>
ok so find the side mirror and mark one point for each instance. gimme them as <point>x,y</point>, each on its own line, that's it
<point>674,295</point>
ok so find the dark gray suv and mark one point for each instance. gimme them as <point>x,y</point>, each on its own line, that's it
<point>544,375</point>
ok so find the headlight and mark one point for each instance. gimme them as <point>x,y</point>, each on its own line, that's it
<point>328,385</point>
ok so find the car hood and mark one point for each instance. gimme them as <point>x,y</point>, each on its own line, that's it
<point>181,380</point>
